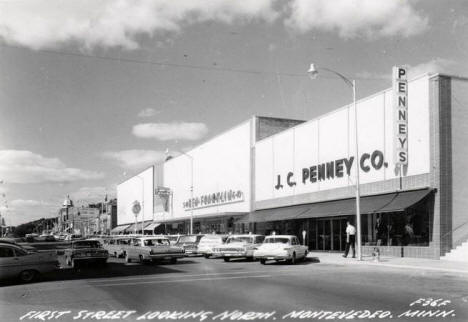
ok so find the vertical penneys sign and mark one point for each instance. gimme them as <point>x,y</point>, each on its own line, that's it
<point>400,116</point>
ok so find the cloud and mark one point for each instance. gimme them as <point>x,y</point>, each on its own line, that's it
<point>97,193</point>
<point>171,131</point>
<point>134,159</point>
<point>110,23</point>
<point>437,65</point>
<point>363,18</point>
<point>25,203</point>
<point>148,112</point>
<point>39,24</point>
<point>18,166</point>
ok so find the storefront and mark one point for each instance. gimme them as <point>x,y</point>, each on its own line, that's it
<point>305,176</point>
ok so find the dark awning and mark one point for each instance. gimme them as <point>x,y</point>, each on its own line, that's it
<point>392,202</point>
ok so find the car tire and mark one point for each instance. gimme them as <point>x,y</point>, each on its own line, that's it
<point>127,258</point>
<point>226,259</point>
<point>28,275</point>
<point>262,261</point>
<point>305,255</point>
<point>207,255</point>
<point>173,260</point>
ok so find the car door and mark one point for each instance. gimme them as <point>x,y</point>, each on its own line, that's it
<point>9,264</point>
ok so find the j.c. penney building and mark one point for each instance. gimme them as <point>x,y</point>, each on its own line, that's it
<point>292,177</point>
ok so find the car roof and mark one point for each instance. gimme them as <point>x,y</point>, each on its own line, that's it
<point>281,236</point>
<point>245,235</point>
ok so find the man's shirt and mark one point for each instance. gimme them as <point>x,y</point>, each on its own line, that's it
<point>350,230</point>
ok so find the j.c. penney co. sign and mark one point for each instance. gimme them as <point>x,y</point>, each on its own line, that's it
<point>332,169</point>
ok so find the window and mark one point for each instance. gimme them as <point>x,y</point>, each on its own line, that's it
<point>6,252</point>
<point>20,252</point>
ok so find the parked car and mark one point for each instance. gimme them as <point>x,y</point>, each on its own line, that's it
<point>239,246</point>
<point>116,246</point>
<point>189,243</point>
<point>85,251</point>
<point>281,247</point>
<point>20,242</point>
<point>173,239</point>
<point>17,262</point>
<point>152,248</point>
<point>208,243</point>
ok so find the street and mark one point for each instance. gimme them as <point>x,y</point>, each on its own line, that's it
<point>197,289</point>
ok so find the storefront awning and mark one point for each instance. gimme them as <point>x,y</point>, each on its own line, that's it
<point>152,226</point>
<point>392,202</point>
<point>118,229</point>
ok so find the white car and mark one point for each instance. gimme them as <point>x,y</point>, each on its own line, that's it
<point>17,262</point>
<point>281,247</point>
<point>208,243</point>
<point>239,246</point>
<point>152,248</point>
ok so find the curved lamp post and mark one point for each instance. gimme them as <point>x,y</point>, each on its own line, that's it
<point>313,73</point>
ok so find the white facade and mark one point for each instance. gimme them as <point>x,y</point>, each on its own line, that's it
<point>138,189</point>
<point>329,141</point>
<point>221,176</point>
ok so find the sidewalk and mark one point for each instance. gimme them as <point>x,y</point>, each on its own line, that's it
<point>395,262</point>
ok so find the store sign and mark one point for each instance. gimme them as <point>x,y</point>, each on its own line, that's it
<point>400,116</point>
<point>333,169</point>
<point>214,199</point>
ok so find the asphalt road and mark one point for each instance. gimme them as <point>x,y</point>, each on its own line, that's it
<point>198,289</point>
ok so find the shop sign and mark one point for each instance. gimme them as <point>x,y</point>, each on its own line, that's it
<point>400,116</point>
<point>136,208</point>
<point>214,199</point>
<point>333,169</point>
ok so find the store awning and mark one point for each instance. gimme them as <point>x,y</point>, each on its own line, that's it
<point>392,202</point>
<point>130,228</point>
<point>118,229</point>
<point>152,226</point>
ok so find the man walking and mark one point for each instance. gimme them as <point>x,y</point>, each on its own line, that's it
<point>350,239</point>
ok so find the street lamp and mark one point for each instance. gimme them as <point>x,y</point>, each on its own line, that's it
<point>142,205</point>
<point>191,188</point>
<point>313,73</point>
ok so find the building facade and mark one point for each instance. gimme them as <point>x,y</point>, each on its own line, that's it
<point>297,177</point>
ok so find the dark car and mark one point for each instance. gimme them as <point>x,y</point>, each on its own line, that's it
<point>189,243</point>
<point>85,251</point>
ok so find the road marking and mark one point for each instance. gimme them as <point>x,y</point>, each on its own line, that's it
<point>186,275</point>
<point>191,280</point>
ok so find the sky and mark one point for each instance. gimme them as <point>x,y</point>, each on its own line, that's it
<point>94,91</point>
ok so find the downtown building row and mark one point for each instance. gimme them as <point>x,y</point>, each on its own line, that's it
<point>293,177</point>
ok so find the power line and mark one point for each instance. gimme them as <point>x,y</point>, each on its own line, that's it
<point>177,65</point>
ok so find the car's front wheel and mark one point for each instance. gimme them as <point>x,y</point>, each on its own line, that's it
<point>207,255</point>
<point>226,259</point>
<point>28,275</point>
<point>262,261</point>
<point>173,260</point>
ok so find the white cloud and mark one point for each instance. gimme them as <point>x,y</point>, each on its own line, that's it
<point>437,65</point>
<point>17,166</point>
<point>135,159</point>
<point>97,193</point>
<point>148,112</point>
<point>171,131</point>
<point>367,18</point>
<point>25,203</point>
<point>117,23</point>
<point>109,23</point>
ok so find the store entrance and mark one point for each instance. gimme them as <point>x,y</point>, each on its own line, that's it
<point>330,234</point>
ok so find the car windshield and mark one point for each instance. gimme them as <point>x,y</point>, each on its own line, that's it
<point>188,239</point>
<point>211,239</point>
<point>273,240</point>
<point>239,240</point>
<point>87,244</point>
<point>156,242</point>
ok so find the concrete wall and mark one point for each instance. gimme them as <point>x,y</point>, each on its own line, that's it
<point>331,137</point>
<point>459,137</point>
